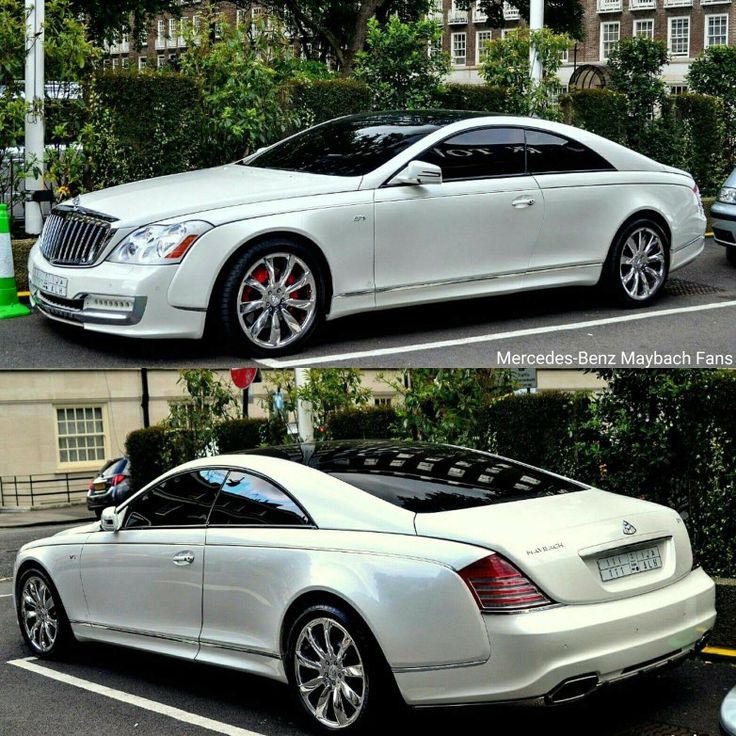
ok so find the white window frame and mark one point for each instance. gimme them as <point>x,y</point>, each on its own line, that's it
<point>160,61</point>
<point>670,22</point>
<point>142,63</point>
<point>706,22</point>
<point>505,32</point>
<point>125,62</point>
<point>640,22</point>
<point>602,42</point>
<point>453,36</point>
<point>478,34</point>
<point>160,34</point>
<point>101,450</point>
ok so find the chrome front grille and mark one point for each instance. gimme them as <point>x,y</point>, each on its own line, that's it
<point>74,237</point>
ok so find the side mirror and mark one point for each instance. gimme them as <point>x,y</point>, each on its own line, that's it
<point>418,172</point>
<point>110,520</point>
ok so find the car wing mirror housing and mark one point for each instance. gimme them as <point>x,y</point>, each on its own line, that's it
<point>418,172</point>
<point>110,520</point>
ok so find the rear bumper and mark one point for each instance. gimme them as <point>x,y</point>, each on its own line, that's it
<point>687,253</point>
<point>100,500</point>
<point>533,654</point>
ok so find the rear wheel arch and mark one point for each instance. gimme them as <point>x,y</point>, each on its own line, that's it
<point>645,214</point>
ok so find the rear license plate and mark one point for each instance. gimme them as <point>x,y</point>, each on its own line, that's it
<point>629,563</point>
<point>48,282</point>
<point>100,487</point>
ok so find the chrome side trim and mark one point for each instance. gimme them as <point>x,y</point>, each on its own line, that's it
<point>434,667</point>
<point>468,280</point>
<point>238,648</point>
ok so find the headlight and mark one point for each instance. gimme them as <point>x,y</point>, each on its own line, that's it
<point>159,244</point>
<point>727,195</point>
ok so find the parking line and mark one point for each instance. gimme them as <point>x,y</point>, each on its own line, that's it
<point>491,337</point>
<point>178,714</point>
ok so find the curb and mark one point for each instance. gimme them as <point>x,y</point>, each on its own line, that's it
<point>718,654</point>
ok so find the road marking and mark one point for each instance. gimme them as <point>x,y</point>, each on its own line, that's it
<point>720,651</point>
<point>492,337</point>
<point>6,595</point>
<point>166,710</point>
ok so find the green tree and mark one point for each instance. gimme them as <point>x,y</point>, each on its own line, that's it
<point>446,405</point>
<point>191,425</point>
<point>505,63</point>
<point>713,73</point>
<point>398,66</point>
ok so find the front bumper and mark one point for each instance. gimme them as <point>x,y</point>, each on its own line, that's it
<point>533,654</point>
<point>724,224</point>
<point>115,298</point>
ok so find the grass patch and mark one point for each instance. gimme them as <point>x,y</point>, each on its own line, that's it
<point>21,249</point>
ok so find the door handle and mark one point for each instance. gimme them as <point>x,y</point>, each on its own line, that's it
<point>523,202</point>
<point>183,558</point>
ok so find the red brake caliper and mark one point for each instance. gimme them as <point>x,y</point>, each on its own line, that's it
<point>261,276</point>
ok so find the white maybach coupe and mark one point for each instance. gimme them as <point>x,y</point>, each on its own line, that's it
<point>362,213</point>
<point>364,572</point>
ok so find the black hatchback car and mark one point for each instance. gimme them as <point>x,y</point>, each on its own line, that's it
<point>111,486</point>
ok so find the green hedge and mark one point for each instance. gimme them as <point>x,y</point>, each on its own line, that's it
<point>146,449</point>
<point>482,97</point>
<point>600,111</point>
<point>146,124</point>
<point>373,423</point>
<point>538,429</point>
<point>21,249</point>
<point>240,434</point>
<point>322,99</point>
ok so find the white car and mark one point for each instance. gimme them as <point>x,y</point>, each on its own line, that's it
<point>362,213</point>
<point>354,571</point>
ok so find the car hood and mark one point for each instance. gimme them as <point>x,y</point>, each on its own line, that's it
<point>197,192</point>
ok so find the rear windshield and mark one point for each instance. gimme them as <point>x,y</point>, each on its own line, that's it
<point>426,478</point>
<point>115,467</point>
<point>351,146</point>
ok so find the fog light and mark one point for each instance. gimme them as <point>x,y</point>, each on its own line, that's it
<point>109,303</point>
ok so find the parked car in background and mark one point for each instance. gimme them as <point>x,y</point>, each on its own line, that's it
<point>728,714</point>
<point>110,486</point>
<point>361,213</point>
<point>358,571</point>
<point>723,216</point>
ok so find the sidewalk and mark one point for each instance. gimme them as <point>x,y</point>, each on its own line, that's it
<point>12,518</point>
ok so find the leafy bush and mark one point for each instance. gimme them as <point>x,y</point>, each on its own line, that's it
<point>317,100</point>
<point>396,65</point>
<point>239,434</point>
<point>482,97</point>
<point>600,111</point>
<point>148,455</point>
<point>538,429</point>
<point>142,125</point>
<point>375,422</point>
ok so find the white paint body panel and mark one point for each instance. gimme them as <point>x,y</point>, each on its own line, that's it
<point>398,570</point>
<point>389,246</point>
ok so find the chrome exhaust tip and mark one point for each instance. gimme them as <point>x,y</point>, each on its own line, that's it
<point>572,689</point>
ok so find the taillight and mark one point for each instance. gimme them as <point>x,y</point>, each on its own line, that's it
<point>91,486</point>
<point>497,585</point>
<point>119,478</point>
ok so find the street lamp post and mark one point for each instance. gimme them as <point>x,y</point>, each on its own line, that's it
<point>34,94</point>
<point>536,22</point>
<point>303,408</point>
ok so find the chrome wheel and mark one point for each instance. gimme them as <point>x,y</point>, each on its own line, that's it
<point>642,267</point>
<point>329,673</point>
<point>277,300</point>
<point>39,614</point>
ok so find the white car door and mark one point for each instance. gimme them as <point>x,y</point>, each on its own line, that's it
<point>143,583</point>
<point>246,574</point>
<point>582,194</point>
<point>472,233</point>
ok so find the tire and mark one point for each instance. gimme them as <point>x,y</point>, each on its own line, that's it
<point>35,591</point>
<point>375,689</point>
<point>287,318</point>
<point>98,514</point>
<point>638,264</point>
<point>731,255</point>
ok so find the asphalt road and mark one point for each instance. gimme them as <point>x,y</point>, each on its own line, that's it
<point>683,701</point>
<point>696,314</point>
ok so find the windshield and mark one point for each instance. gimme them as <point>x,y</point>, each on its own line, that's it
<point>352,146</point>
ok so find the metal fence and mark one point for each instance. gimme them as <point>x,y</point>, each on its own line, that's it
<point>40,490</point>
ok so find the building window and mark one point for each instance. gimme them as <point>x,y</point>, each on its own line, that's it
<point>115,62</point>
<point>610,34</point>
<point>80,433</point>
<point>716,30</point>
<point>125,62</point>
<point>142,62</point>
<point>565,56</point>
<point>481,39</point>
<point>644,28</point>
<point>478,15</point>
<point>459,47</point>
<point>160,35</point>
<point>505,32</point>
<point>678,36</point>
<point>382,401</point>
<point>160,61</point>
<point>678,89</point>
<point>240,17</point>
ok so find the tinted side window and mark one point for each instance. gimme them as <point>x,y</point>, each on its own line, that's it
<point>248,499</point>
<point>184,500</point>
<point>547,153</point>
<point>479,154</point>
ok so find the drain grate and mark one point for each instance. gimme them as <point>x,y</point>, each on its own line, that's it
<point>661,729</point>
<point>680,287</point>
